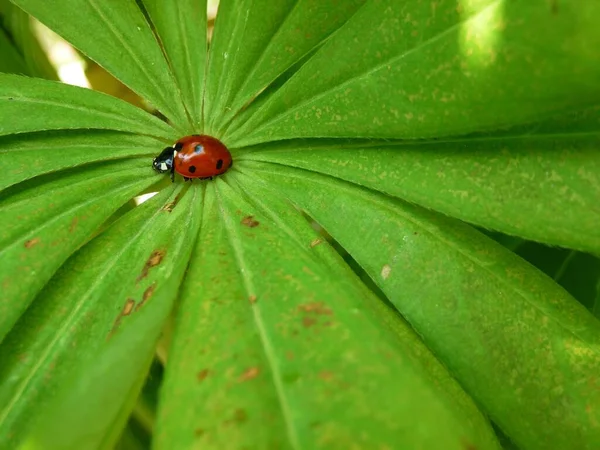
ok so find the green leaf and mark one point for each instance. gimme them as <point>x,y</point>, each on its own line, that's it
<point>10,59</point>
<point>133,438</point>
<point>95,331</point>
<point>49,221</point>
<point>438,69</point>
<point>19,27</point>
<point>578,273</point>
<point>181,28</point>
<point>25,156</point>
<point>269,37</point>
<point>524,349</point>
<point>117,36</point>
<point>538,186</point>
<point>29,104</point>
<point>276,352</point>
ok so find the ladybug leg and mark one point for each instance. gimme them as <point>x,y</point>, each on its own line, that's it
<point>173,173</point>
<point>186,179</point>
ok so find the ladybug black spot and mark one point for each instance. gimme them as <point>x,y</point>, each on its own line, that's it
<point>219,164</point>
<point>192,169</point>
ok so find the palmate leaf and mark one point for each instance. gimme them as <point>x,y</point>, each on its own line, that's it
<point>116,35</point>
<point>432,70</point>
<point>47,222</point>
<point>96,328</point>
<point>262,346</point>
<point>484,312</point>
<point>543,186</point>
<point>268,38</point>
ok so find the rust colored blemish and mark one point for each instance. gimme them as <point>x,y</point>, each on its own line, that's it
<point>73,225</point>
<point>31,242</point>
<point>289,355</point>
<point>467,445</point>
<point>249,374</point>
<point>316,242</point>
<point>252,299</point>
<point>385,271</point>
<point>198,432</point>
<point>155,258</point>
<point>308,321</point>
<point>202,374</point>
<point>127,308</point>
<point>316,308</point>
<point>326,375</point>
<point>554,7</point>
<point>146,296</point>
<point>169,207</point>
<point>250,222</point>
<point>239,416</point>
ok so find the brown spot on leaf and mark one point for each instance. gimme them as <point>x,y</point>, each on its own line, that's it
<point>169,207</point>
<point>146,296</point>
<point>467,445</point>
<point>249,374</point>
<point>239,416</point>
<point>289,355</point>
<point>73,225</point>
<point>154,260</point>
<point>316,242</point>
<point>326,375</point>
<point>198,432</point>
<point>315,308</point>
<point>250,222</point>
<point>31,242</point>
<point>308,321</point>
<point>203,374</point>
<point>252,299</point>
<point>127,308</point>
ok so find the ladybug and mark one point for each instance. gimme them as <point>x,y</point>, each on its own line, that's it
<point>195,156</point>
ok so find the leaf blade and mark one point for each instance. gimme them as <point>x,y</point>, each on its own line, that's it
<point>274,37</point>
<point>28,104</point>
<point>53,221</point>
<point>424,72</point>
<point>104,31</point>
<point>287,352</point>
<point>185,48</point>
<point>508,333</point>
<point>541,187</point>
<point>26,156</point>
<point>113,336</point>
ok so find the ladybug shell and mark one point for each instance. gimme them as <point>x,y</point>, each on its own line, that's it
<point>201,156</point>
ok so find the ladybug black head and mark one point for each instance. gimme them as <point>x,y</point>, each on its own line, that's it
<point>164,162</point>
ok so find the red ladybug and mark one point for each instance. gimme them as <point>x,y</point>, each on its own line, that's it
<point>195,156</point>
